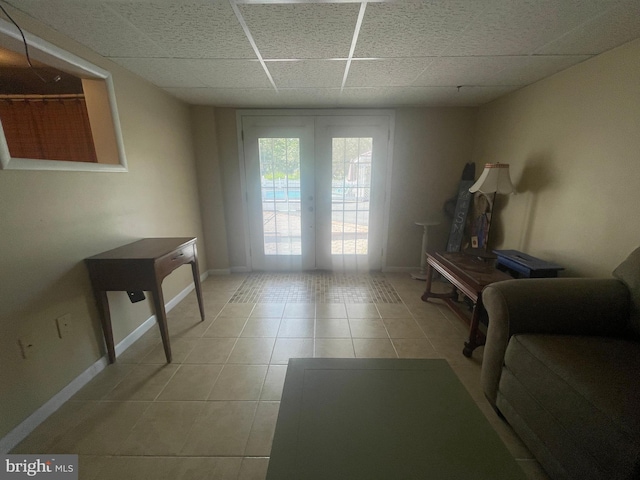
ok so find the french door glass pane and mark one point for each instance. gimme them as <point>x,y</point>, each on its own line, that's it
<point>350,194</point>
<point>280,185</point>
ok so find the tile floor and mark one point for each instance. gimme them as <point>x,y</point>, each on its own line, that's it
<point>212,412</point>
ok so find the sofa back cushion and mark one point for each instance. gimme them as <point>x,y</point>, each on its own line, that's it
<point>629,273</point>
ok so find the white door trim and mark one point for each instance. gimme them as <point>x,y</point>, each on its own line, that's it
<point>240,113</point>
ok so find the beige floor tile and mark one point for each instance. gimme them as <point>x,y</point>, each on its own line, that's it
<point>403,328</point>
<point>374,348</point>
<point>45,436</point>
<point>414,348</point>
<point>198,468</point>
<point>254,351</point>
<point>211,350</point>
<point>299,310</point>
<point>143,468</point>
<point>393,310</point>
<point>187,308</point>
<point>334,348</point>
<point>286,348</point>
<point>145,382</point>
<point>418,308</point>
<point>367,328</point>
<point>239,382</point>
<point>268,310</point>
<point>332,328</point>
<point>226,327</point>
<point>297,328</point>
<point>261,327</point>
<point>221,429</point>
<point>211,308</point>
<point>140,349</point>
<point>469,375</point>
<point>102,432</point>
<point>180,350</point>
<point>191,382</point>
<point>273,384</point>
<point>90,466</point>
<point>104,382</point>
<point>162,429</point>
<point>237,310</point>
<point>331,310</point>
<point>264,425</point>
<point>192,327</point>
<point>441,326</point>
<point>254,468</point>
<point>362,310</point>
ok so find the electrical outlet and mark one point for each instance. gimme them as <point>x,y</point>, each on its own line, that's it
<point>64,325</point>
<point>27,347</point>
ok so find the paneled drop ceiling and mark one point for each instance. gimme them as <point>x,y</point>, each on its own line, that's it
<point>292,53</point>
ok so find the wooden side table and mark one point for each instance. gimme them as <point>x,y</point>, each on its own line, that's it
<point>469,275</point>
<point>141,266</point>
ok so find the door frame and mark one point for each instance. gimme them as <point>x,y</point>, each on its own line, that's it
<point>240,113</point>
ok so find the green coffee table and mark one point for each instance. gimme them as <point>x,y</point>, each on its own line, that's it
<point>381,419</point>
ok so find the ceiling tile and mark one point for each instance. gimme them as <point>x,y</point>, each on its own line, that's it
<point>307,73</point>
<point>526,70</point>
<point>386,72</point>
<point>163,72</point>
<point>521,27</point>
<point>488,71</point>
<point>406,29</point>
<point>238,97</point>
<point>461,71</point>
<point>300,31</point>
<point>225,97</point>
<point>618,25</point>
<point>93,25</point>
<point>190,29</point>
<point>230,73</point>
<point>421,96</point>
<point>180,72</point>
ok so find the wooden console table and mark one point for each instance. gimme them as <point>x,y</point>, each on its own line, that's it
<point>469,275</point>
<point>141,266</point>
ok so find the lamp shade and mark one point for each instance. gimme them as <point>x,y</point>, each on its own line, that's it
<point>494,179</point>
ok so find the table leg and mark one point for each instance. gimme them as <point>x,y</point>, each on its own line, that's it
<point>429,279</point>
<point>161,316</point>
<point>196,281</point>
<point>105,318</point>
<point>472,343</point>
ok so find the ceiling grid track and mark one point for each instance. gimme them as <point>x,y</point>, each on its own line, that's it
<point>245,28</point>
<point>354,41</point>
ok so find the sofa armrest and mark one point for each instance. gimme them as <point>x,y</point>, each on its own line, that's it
<point>563,306</point>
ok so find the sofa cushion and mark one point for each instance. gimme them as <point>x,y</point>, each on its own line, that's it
<point>629,273</point>
<point>590,386</point>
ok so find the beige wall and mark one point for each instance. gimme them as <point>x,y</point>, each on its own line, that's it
<point>205,139</point>
<point>573,144</point>
<point>52,220</point>
<point>431,147</point>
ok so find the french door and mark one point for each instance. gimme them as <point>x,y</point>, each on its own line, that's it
<point>315,191</point>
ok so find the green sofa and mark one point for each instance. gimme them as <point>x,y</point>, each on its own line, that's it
<point>562,365</point>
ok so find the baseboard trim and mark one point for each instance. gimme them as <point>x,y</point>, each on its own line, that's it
<point>400,270</point>
<point>240,269</point>
<point>220,271</point>
<point>20,432</point>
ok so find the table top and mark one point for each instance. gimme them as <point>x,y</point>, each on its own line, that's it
<point>475,271</point>
<point>381,419</point>
<point>147,248</point>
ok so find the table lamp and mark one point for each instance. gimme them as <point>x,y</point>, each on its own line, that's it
<point>494,179</point>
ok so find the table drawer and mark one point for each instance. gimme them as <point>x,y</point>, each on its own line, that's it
<point>168,263</point>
